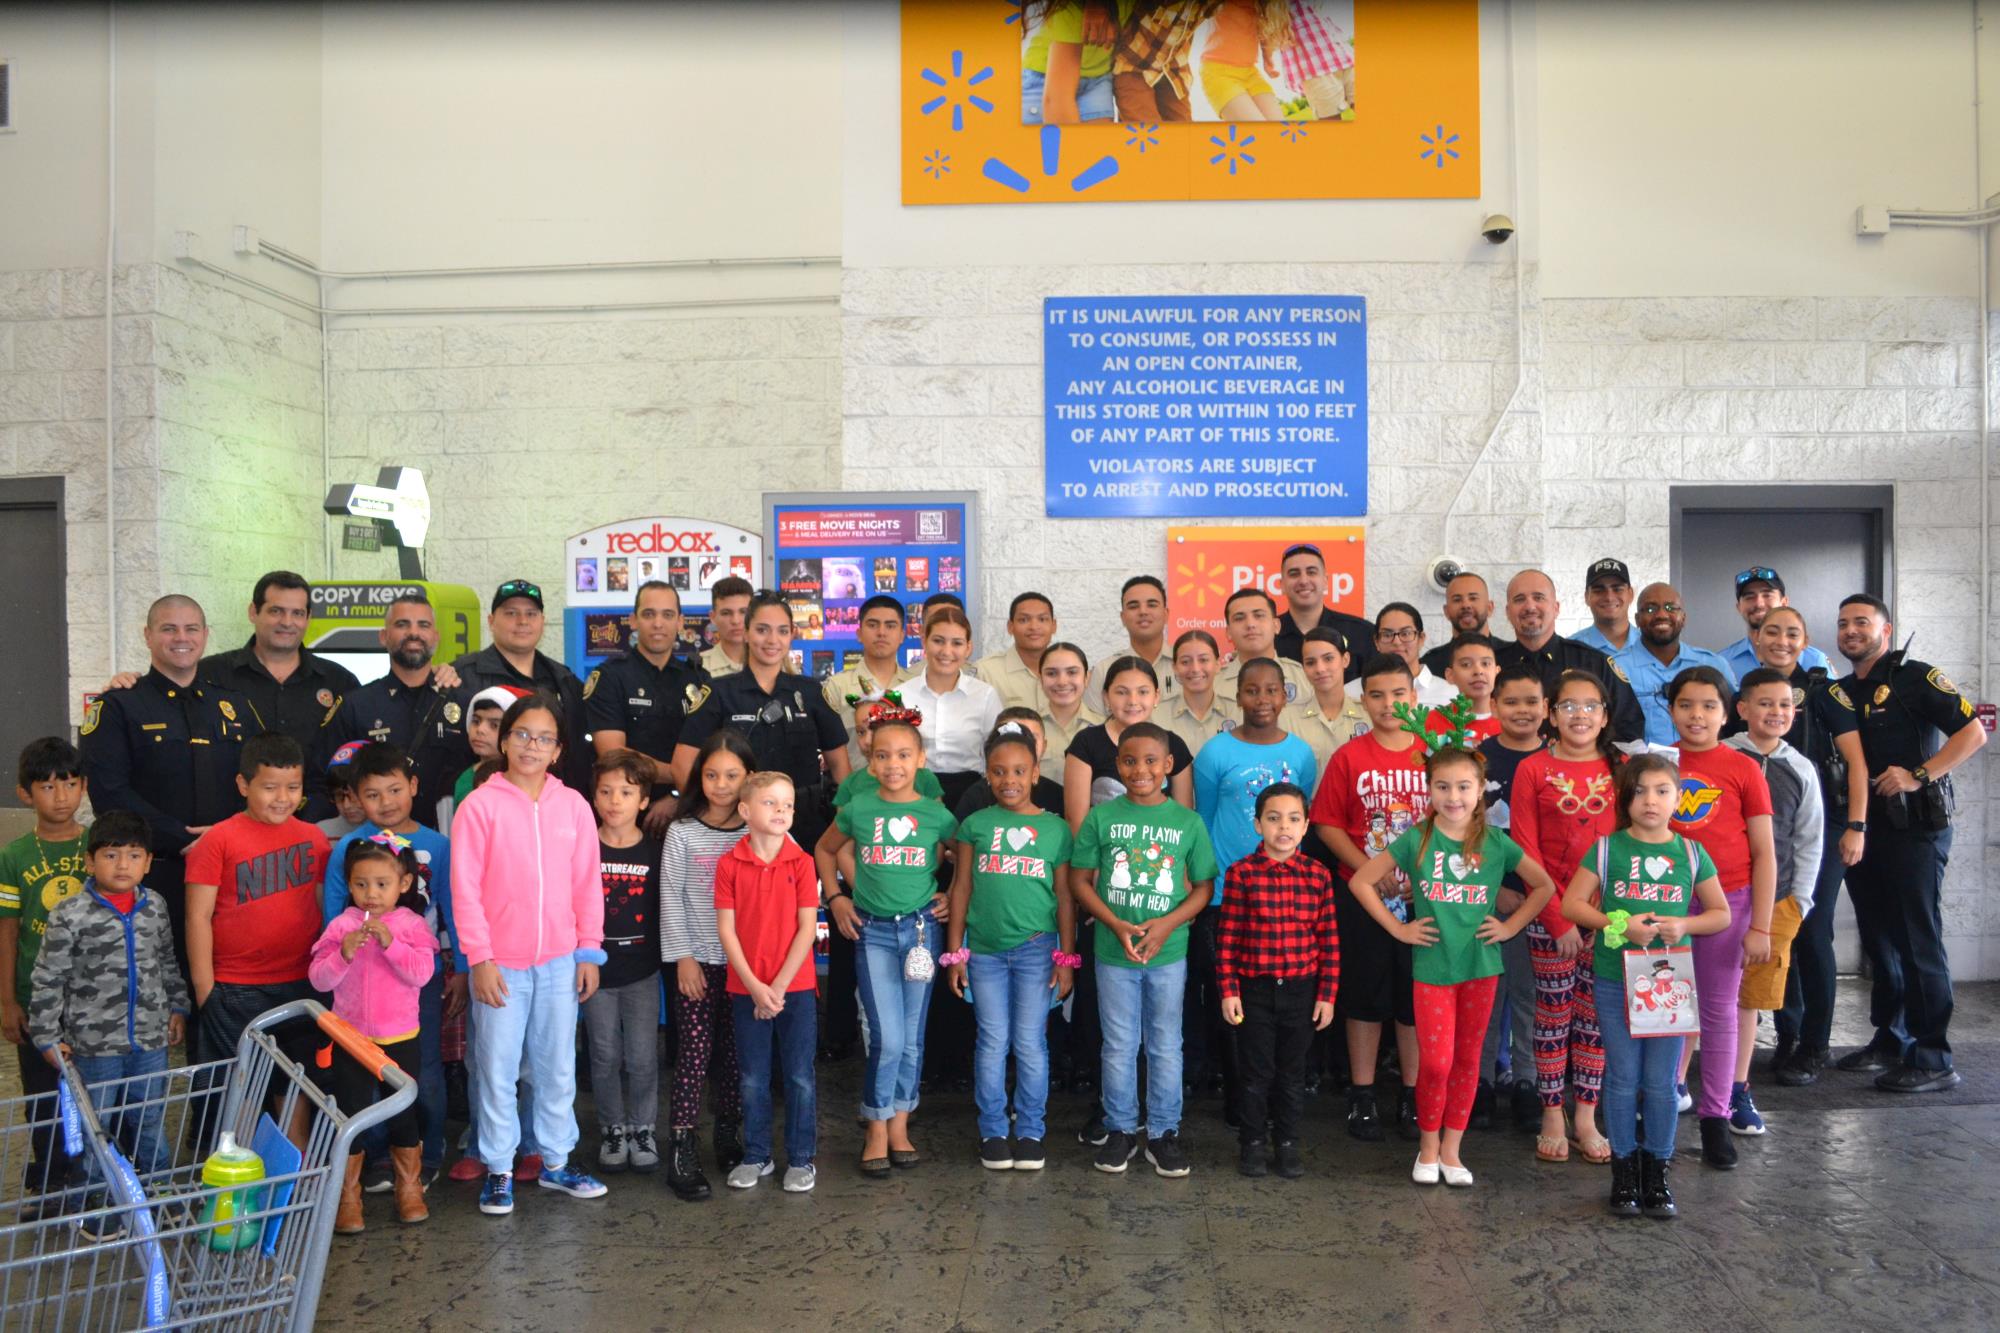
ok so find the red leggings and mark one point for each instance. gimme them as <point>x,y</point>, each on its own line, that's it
<point>1451,1031</point>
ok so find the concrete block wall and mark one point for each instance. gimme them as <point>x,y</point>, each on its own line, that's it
<point>528,432</point>
<point>942,390</point>
<point>52,424</point>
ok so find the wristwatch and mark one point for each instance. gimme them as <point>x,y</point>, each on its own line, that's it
<point>1922,775</point>
<point>1857,826</point>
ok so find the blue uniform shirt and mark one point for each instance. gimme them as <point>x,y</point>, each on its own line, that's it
<point>1595,638</point>
<point>1742,659</point>
<point>1649,678</point>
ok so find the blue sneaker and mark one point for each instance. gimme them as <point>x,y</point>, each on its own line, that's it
<point>577,1184</point>
<point>1683,1099</point>
<point>496,1196</point>
<point>1743,1117</point>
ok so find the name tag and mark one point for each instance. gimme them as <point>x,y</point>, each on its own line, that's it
<point>152,726</point>
<point>639,702</point>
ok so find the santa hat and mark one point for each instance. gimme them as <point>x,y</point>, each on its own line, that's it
<point>501,697</point>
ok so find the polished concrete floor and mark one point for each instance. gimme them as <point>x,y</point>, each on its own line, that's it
<point>1885,1216</point>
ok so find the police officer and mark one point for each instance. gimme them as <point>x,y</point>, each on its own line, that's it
<point>1303,570</point>
<point>789,727</point>
<point>516,622</point>
<point>414,707</point>
<point>1532,609</point>
<point>1896,885</point>
<point>639,699</point>
<point>166,748</point>
<point>294,689</point>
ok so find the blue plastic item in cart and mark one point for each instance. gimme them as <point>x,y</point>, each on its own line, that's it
<point>281,1158</point>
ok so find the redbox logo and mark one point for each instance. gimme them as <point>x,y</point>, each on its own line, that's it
<point>658,541</point>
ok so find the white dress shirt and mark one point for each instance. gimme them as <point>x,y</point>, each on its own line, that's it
<point>1432,691</point>
<point>956,723</point>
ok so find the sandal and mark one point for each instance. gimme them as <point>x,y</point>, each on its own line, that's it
<point>1551,1148</point>
<point>1597,1152</point>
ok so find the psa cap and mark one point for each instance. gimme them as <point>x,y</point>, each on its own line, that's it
<point>517,588</point>
<point>1759,574</point>
<point>1605,570</point>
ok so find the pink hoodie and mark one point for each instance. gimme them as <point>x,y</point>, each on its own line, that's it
<point>525,881</point>
<point>377,992</point>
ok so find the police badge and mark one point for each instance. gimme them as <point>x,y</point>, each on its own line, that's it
<point>452,712</point>
<point>228,709</point>
<point>325,697</point>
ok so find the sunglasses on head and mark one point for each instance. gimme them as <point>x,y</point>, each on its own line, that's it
<point>519,588</point>
<point>1753,575</point>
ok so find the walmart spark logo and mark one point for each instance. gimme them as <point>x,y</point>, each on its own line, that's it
<point>1697,803</point>
<point>1233,150</point>
<point>1143,137</point>
<point>964,97</point>
<point>1291,131</point>
<point>1103,169</point>
<point>937,165</point>
<point>1206,579</point>
<point>1440,147</point>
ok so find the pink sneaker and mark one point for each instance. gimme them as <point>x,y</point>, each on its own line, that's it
<point>467,1168</point>
<point>529,1167</point>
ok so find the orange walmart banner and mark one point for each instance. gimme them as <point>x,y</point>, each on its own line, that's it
<point>1364,99</point>
<point>1206,564</point>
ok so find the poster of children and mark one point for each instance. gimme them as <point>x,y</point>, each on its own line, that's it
<point>841,578</point>
<point>1085,61</point>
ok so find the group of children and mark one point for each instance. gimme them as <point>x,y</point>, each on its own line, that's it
<point>1504,842</point>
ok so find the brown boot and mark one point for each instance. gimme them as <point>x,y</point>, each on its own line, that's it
<point>408,1166</point>
<point>347,1222</point>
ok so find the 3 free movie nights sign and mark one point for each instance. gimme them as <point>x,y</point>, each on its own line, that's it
<point>1196,406</point>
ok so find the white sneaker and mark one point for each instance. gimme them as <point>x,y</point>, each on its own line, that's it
<point>799,1179</point>
<point>746,1176</point>
<point>1425,1173</point>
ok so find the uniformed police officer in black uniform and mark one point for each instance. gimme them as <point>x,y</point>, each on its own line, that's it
<point>1303,570</point>
<point>516,622</point>
<point>789,727</point>
<point>640,698</point>
<point>1896,885</point>
<point>167,748</point>
<point>294,689</point>
<point>408,708</point>
<point>1532,610</point>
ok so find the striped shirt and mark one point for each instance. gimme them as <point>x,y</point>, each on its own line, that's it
<point>687,891</point>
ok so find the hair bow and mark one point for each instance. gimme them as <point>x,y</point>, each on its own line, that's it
<point>391,839</point>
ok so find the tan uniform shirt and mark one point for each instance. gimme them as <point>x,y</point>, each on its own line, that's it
<point>717,664</point>
<point>856,680</point>
<point>1163,665</point>
<point>1325,733</point>
<point>1298,685</point>
<point>1058,735</point>
<point>1195,732</point>
<point>1019,685</point>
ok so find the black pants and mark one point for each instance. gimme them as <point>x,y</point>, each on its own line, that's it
<point>1272,1048</point>
<point>356,1089</point>
<point>47,1167</point>
<point>1896,888</point>
<point>1208,1043</point>
<point>218,1026</point>
<point>951,1030</point>
<point>1806,1021</point>
<point>1077,1046</point>
<point>840,1015</point>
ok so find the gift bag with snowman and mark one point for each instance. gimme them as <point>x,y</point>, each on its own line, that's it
<point>1659,992</point>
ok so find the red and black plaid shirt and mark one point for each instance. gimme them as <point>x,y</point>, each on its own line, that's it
<point>1277,921</point>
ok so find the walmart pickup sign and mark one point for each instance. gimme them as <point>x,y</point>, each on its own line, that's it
<point>1205,406</point>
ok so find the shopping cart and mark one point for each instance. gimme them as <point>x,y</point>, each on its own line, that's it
<point>119,1244</point>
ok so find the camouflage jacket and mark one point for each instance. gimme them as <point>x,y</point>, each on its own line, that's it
<point>106,983</point>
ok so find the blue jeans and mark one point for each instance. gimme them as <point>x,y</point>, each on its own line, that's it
<point>1636,1070</point>
<point>795,1034</point>
<point>534,1030</point>
<point>896,1010</point>
<point>130,1111</point>
<point>1010,1002</point>
<point>1094,98</point>
<point>1141,1006</point>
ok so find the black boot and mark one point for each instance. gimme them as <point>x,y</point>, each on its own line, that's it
<point>684,1175</point>
<point>1252,1159</point>
<point>728,1144</point>
<point>1290,1164</point>
<point>1716,1148</point>
<point>1655,1195</point>
<point>1364,1122</point>
<point>1406,1115</point>
<point>1625,1186</point>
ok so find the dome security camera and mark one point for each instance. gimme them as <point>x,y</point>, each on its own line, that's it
<point>1443,570</point>
<point>1497,228</point>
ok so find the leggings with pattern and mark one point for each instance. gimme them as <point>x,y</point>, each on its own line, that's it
<point>1568,1047</point>
<point>707,1039</point>
<point>1451,1033</point>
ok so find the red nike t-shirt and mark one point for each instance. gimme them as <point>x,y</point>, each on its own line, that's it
<point>267,896</point>
<point>1721,789</point>
<point>1371,793</point>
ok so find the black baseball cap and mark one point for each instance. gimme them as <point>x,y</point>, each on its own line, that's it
<point>513,588</point>
<point>1759,574</point>
<point>1606,570</point>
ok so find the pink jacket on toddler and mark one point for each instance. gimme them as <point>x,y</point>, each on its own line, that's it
<point>377,992</point>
